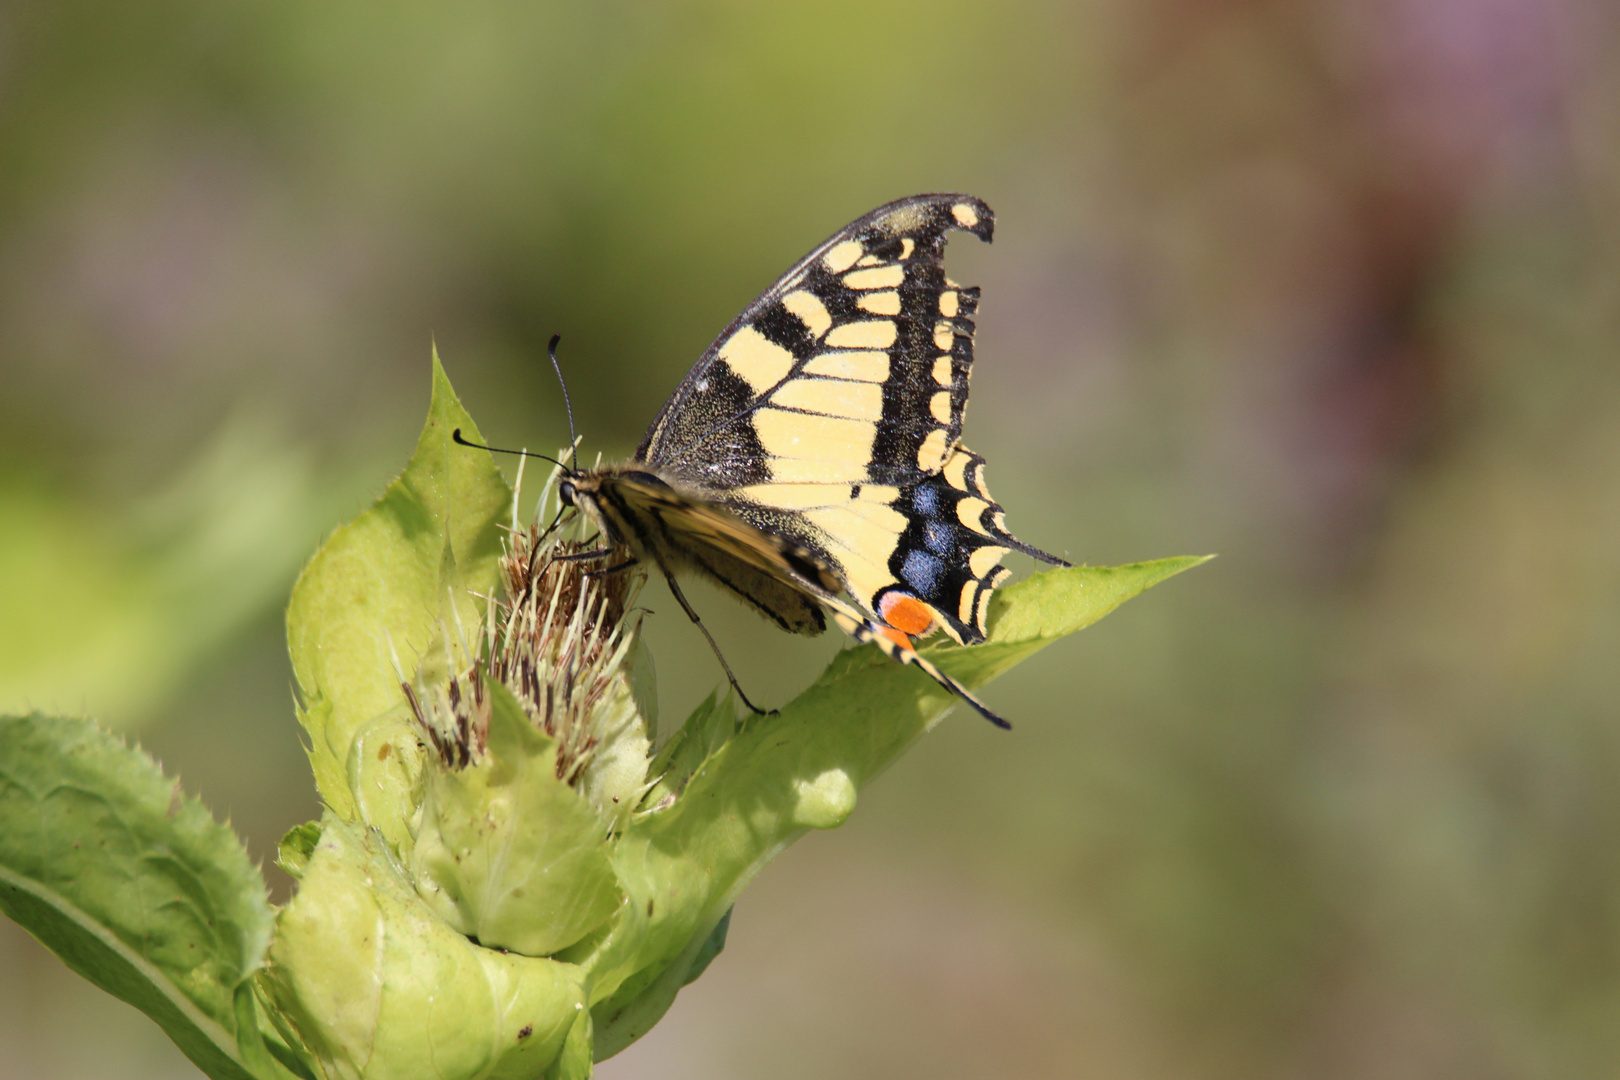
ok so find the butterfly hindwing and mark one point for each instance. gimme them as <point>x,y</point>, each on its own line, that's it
<point>949,555</point>
<point>774,576</point>
<point>787,584</point>
<point>852,368</point>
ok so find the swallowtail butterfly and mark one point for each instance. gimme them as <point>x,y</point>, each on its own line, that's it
<point>812,459</point>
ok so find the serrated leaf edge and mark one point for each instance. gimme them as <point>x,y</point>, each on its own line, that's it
<point>210,1028</point>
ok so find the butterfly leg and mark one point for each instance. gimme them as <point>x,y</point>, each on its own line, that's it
<point>581,556</point>
<point>614,569</point>
<point>690,614</point>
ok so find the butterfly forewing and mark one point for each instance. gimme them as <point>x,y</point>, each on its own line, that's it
<point>853,368</point>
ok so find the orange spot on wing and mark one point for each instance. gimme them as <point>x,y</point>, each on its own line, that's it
<point>906,613</point>
<point>895,636</point>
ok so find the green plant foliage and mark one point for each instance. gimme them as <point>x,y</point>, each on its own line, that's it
<point>379,986</point>
<point>131,883</point>
<point>378,588</point>
<point>487,919</point>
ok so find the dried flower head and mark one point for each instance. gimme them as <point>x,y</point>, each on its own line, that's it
<point>561,638</point>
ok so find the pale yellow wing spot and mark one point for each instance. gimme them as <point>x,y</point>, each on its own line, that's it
<point>757,361</point>
<point>795,496</point>
<point>872,367</point>
<point>905,219</point>
<point>931,454</point>
<point>983,612</point>
<point>991,584</point>
<point>965,215</point>
<point>948,304</point>
<point>809,309</point>
<point>907,246</point>
<point>880,303</point>
<point>832,397</point>
<point>878,493</point>
<point>792,470</point>
<point>871,334</point>
<point>939,406</point>
<point>878,277</point>
<point>868,260</point>
<point>968,512</point>
<point>956,471</point>
<point>944,336</point>
<point>842,256</point>
<point>964,606</point>
<point>818,438</point>
<point>942,370</point>
<point>984,560</point>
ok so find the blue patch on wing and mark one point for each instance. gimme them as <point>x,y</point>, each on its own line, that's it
<point>922,572</point>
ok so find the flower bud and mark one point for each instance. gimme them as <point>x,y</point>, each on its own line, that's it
<point>539,755</point>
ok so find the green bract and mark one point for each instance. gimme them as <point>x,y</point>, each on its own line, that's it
<point>509,854</point>
<point>378,985</point>
<point>504,884</point>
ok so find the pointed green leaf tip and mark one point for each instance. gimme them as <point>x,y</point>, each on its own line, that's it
<point>379,587</point>
<point>134,885</point>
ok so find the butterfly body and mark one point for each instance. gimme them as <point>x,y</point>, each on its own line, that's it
<point>683,532</point>
<point>812,457</point>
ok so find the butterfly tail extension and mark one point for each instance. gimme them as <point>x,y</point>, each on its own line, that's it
<point>1018,545</point>
<point>890,642</point>
<point>964,475</point>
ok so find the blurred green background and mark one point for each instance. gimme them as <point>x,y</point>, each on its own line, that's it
<point>1329,287</point>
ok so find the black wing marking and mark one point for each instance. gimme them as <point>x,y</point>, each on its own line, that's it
<point>853,367</point>
<point>949,556</point>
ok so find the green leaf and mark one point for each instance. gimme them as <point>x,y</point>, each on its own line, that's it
<point>380,586</point>
<point>1030,615</point>
<point>507,853</point>
<point>704,732</point>
<point>134,885</point>
<point>683,867</point>
<point>293,853</point>
<point>713,946</point>
<point>377,985</point>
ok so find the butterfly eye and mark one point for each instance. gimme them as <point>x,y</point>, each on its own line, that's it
<point>565,491</point>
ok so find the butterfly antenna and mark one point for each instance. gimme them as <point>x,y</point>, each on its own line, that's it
<point>459,439</point>
<point>573,439</point>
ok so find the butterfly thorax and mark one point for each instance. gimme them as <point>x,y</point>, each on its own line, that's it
<point>584,490</point>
